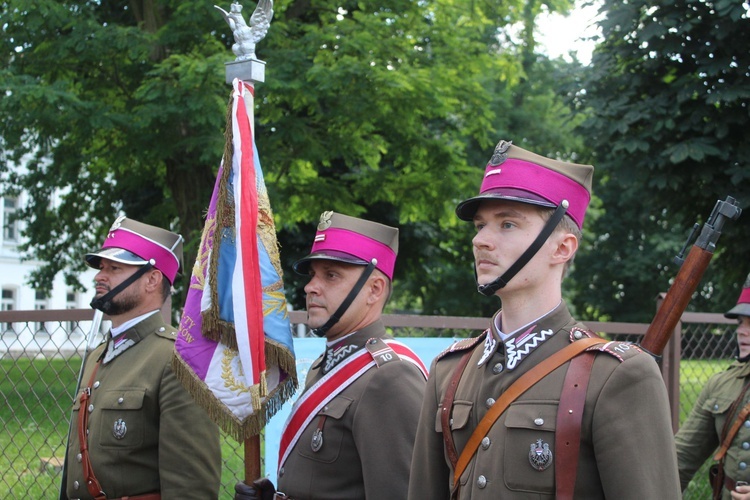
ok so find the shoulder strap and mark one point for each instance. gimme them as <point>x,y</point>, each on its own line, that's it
<point>731,425</point>
<point>728,435</point>
<point>568,426</point>
<point>447,405</point>
<point>92,484</point>
<point>521,385</point>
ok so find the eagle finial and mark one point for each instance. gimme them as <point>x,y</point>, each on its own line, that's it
<point>246,37</point>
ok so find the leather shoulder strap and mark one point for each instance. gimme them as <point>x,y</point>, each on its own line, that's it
<point>568,426</point>
<point>727,441</point>
<point>92,484</point>
<point>447,405</point>
<point>521,385</point>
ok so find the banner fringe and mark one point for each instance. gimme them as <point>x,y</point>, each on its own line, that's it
<point>218,412</point>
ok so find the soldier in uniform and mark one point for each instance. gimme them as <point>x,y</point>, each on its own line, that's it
<point>722,413</point>
<point>136,432</point>
<point>598,425</point>
<point>351,432</point>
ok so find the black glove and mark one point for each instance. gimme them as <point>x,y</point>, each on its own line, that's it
<point>261,489</point>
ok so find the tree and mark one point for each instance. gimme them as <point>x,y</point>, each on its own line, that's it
<point>383,111</point>
<point>667,94</point>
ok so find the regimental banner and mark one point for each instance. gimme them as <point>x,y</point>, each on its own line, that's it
<point>234,351</point>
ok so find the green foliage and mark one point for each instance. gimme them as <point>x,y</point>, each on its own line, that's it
<point>667,96</point>
<point>386,111</point>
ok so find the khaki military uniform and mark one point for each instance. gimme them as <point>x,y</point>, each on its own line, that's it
<point>626,450</point>
<point>368,431</point>
<point>698,438</point>
<point>145,432</point>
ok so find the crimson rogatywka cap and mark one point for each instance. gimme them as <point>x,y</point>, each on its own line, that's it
<point>352,240</point>
<point>743,303</point>
<point>135,243</point>
<point>515,174</point>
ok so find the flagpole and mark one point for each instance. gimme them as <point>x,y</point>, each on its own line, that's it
<point>248,68</point>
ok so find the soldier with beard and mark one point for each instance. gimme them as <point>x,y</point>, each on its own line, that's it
<point>136,433</point>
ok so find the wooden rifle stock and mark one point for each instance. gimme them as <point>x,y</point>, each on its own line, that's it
<point>688,277</point>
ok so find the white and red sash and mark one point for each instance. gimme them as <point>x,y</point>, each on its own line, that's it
<point>333,383</point>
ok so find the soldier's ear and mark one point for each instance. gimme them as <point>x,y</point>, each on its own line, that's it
<point>567,245</point>
<point>377,287</point>
<point>153,280</point>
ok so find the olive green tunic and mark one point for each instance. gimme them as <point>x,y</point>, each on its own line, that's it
<point>698,438</point>
<point>627,448</point>
<point>145,432</point>
<point>368,432</point>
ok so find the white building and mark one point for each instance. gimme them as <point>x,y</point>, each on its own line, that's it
<point>22,339</point>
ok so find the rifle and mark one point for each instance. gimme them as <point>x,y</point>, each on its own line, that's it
<point>689,275</point>
<point>95,324</point>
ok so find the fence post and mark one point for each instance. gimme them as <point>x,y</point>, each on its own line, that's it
<point>670,367</point>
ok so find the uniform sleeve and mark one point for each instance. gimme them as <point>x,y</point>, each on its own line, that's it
<point>189,450</point>
<point>696,440</point>
<point>632,434</point>
<point>384,426</point>
<point>430,475</point>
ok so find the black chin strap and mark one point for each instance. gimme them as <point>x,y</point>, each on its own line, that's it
<point>104,302</point>
<point>490,288</point>
<point>335,317</point>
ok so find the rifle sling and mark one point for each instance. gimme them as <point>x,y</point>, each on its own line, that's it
<point>521,385</point>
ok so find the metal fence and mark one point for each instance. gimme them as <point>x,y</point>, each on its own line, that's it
<point>40,357</point>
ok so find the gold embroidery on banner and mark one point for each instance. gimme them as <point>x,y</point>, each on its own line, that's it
<point>230,359</point>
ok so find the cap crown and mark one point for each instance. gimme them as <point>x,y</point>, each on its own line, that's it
<point>353,240</point>
<point>136,243</point>
<point>743,302</point>
<point>516,174</point>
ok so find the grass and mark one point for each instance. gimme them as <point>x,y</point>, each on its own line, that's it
<point>35,420</point>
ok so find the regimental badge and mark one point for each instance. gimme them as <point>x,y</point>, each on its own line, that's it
<point>116,224</point>
<point>500,154</point>
<point>540,456</point>
<point>120,429</point>
<point>317,440</point>
<point>325,220</point>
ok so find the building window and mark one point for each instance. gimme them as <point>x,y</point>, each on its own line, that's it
<point>41,302</point>
<point>8,303</point>
<point>10,225</point>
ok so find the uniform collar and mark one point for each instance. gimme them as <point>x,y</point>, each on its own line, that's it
<point>527,339</point>
<point>345,347</point>
<point>130,337</point>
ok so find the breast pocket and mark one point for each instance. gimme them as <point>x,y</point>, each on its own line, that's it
<point>122,422</point>
<point>322,439</point>
<point>529,452</point>
<point>459,417</point>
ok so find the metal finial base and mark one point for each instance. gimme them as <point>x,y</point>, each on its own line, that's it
<point>250,69</point>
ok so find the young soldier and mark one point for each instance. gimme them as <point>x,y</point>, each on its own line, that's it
<point>721,416</point>
<point>136,431</point>
<point>351,432</point>
<point>594,427</point>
